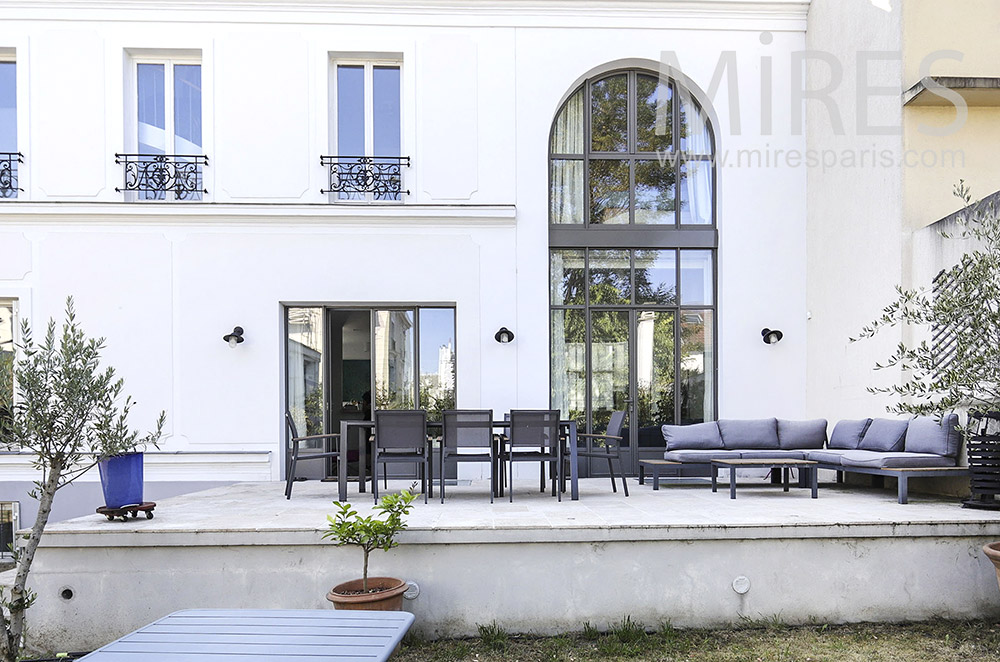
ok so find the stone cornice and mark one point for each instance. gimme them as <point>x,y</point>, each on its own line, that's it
<point>498,13</point>
<point>89,213</point>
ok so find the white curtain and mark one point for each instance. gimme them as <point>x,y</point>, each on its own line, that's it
<point>568,135</point>
<point>567,174</point>
<point>696,175</point>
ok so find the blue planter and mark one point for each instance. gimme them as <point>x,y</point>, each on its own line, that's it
<point>121,480</point>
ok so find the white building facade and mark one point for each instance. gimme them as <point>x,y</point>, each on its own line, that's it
<point>372,190</point>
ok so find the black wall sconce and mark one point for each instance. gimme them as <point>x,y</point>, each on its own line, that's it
<point>234,338</point>
<point>771,336</point>
<point>504,335</point>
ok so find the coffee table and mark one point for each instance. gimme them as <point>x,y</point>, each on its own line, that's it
<point>772,464</point>
<point>655,466</point>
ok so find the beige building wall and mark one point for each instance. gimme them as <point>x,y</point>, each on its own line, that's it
<point>970,26</point>
<point>941,148</point>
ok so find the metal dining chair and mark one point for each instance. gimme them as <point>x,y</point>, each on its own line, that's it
<point>294,443</point>
<point>401,436</point>
<point>609,447</point>
<point>465,429</point>
<point>534,437</point>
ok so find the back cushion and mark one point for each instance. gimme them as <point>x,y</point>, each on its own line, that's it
<point>756,433</point>
<point>925,435</point>
<point>802,434</point>
<point>847,434</point>
<point>884,434</point>
<point>700,436</point>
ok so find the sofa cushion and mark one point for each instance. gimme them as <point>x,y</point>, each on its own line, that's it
<point>885,435</point>
<point>900,460</point>
<point>771,454</point>
<point>749,433</point>
<point>925,435</point>
<point>827,455</point>
<point>802,434</point>
<point>847,434</point>
<point>700,456</point>
<point>698,436</point>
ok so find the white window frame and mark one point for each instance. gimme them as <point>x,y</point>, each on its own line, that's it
<point>9,55</point>
<point>15,511</point>
<point>132,93</point>
<point>15,326</point>
<point>369,64</point>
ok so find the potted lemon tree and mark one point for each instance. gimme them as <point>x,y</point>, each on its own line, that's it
<point>376,531</point>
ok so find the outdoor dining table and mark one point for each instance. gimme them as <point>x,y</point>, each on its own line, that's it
<point>346,426</point>
<point>251,635</point>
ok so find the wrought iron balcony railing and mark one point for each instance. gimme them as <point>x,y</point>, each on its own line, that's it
<point>154,175</point>
<point>8,173</point>
<point>357,177</point>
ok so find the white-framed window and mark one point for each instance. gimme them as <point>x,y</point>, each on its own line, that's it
<point>9,524</point>
<point>8,336</point>
<point>9,155</point>
<point>164,104</point>
<point>367,163</point>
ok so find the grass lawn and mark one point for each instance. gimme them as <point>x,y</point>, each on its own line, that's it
<point>769,641</point>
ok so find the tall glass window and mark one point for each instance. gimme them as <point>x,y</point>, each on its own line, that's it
<point>8,106</point>
<point>305,368</point>
<point>9,157</point>
<point>616,158</point>
<point>9,522</point>
<point>168,113</point>
<point>437,360</point>
<point>367,125</point>
<point>6,358</point>
<point>633,253</point>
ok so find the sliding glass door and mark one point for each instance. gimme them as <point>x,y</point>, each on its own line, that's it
<point>343,362</point>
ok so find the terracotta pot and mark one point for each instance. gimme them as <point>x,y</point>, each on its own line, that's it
<point>390,598</point>
<point>992,551</point>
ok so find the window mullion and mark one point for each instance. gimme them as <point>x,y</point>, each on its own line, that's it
<point>675,144</point>
<point>369,110</point>
<point>170,147</point>
<point>369,117</point>
<point>587,143</point>
<point>168,107</point>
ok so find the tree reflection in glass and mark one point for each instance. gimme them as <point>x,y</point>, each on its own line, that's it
<point>437,361</point>
<point>610,277</point>
<point>654,192</point>
<point>609,114</point>
<point>697,367</point>
<point>654,343</point>
<point>654,114</point>
<point>609,191</point>
<point>656,277</point>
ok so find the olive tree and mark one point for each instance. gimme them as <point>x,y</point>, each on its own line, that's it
<point>60,404</point>
<point>966,372</point>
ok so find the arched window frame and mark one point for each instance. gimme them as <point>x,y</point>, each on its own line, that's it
<point>666,235</point>
<point>632,236</point>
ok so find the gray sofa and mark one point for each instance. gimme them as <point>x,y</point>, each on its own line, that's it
<point>881,447</point>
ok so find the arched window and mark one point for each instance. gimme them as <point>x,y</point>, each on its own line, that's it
<point>633,248</point>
